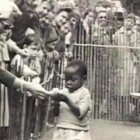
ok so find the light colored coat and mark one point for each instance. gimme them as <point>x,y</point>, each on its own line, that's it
<point>124,58</point>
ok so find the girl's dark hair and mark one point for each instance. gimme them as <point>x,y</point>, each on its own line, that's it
<point>80,65</point>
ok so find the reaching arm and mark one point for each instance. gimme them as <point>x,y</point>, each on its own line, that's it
<point>6,77</point>
<point>10,80</point>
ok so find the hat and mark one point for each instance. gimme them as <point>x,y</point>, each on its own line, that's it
<point>100,9</point>
<point>66,5</point>
<point>29,31</point>
<point>131,16</point>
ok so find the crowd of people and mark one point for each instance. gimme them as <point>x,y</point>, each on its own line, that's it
<point>35,35</point>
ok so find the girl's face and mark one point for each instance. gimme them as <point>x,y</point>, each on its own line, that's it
<point>73,79</point>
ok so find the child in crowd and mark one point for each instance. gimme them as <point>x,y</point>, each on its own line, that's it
<point>74,104</point>
<point>34,48</point>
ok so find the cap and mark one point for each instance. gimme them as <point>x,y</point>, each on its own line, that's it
<point>63,6</point>
<point>131,16</point>
<point>100,9</point>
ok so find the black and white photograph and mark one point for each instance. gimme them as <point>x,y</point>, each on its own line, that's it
<point>69,69</point>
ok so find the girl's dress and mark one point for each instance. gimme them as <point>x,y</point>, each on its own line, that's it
<point>70,127</point>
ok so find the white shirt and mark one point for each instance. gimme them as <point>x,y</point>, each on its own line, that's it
<point>69,120</point>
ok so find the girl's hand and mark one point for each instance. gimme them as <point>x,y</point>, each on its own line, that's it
<point>61,97</point>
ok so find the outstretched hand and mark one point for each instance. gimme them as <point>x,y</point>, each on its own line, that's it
<point>38,90</point>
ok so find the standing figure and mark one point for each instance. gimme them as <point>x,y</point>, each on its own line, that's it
<point>74,101</point>
<point>124,62</point>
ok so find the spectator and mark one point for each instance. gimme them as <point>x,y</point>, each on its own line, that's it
<point>33,61</point>
<point>45,11</point>
<point>101,37</point>
<point>84,28</point>
<point>74,21</point>
<point>70,38</point>
<point>29,18</point>
<point>100,29</point>
<point>125,63</point>
<point>7,77</point>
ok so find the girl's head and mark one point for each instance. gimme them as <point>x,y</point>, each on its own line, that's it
<point>75,75</point>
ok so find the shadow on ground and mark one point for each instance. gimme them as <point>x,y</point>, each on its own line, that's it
<point>106,130</point>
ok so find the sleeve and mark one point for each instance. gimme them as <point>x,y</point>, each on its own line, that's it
<point>38,66</point>
<point>16,9</point>
<point>84,104</point>
<point>68,38</point>
<point>6,77</point>
<point>12,46</point>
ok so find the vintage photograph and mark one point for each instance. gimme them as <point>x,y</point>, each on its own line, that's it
<point>69,69</point>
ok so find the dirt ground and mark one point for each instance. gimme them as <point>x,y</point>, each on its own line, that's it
<point>106,130</point>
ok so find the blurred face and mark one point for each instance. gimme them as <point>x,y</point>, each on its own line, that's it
<point>47,19</point>
<point>50,47</point>
<point>42,10</point>
<point>73,79</point>
<point>73,21</point>
<point>119,23</point>
<point>61,18</point>
<point>65,29</point>
<point>90,18</point>
<point>33,50</point>
<point>129,23</point>
<point>102,18</point>
<point>5,30</point>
